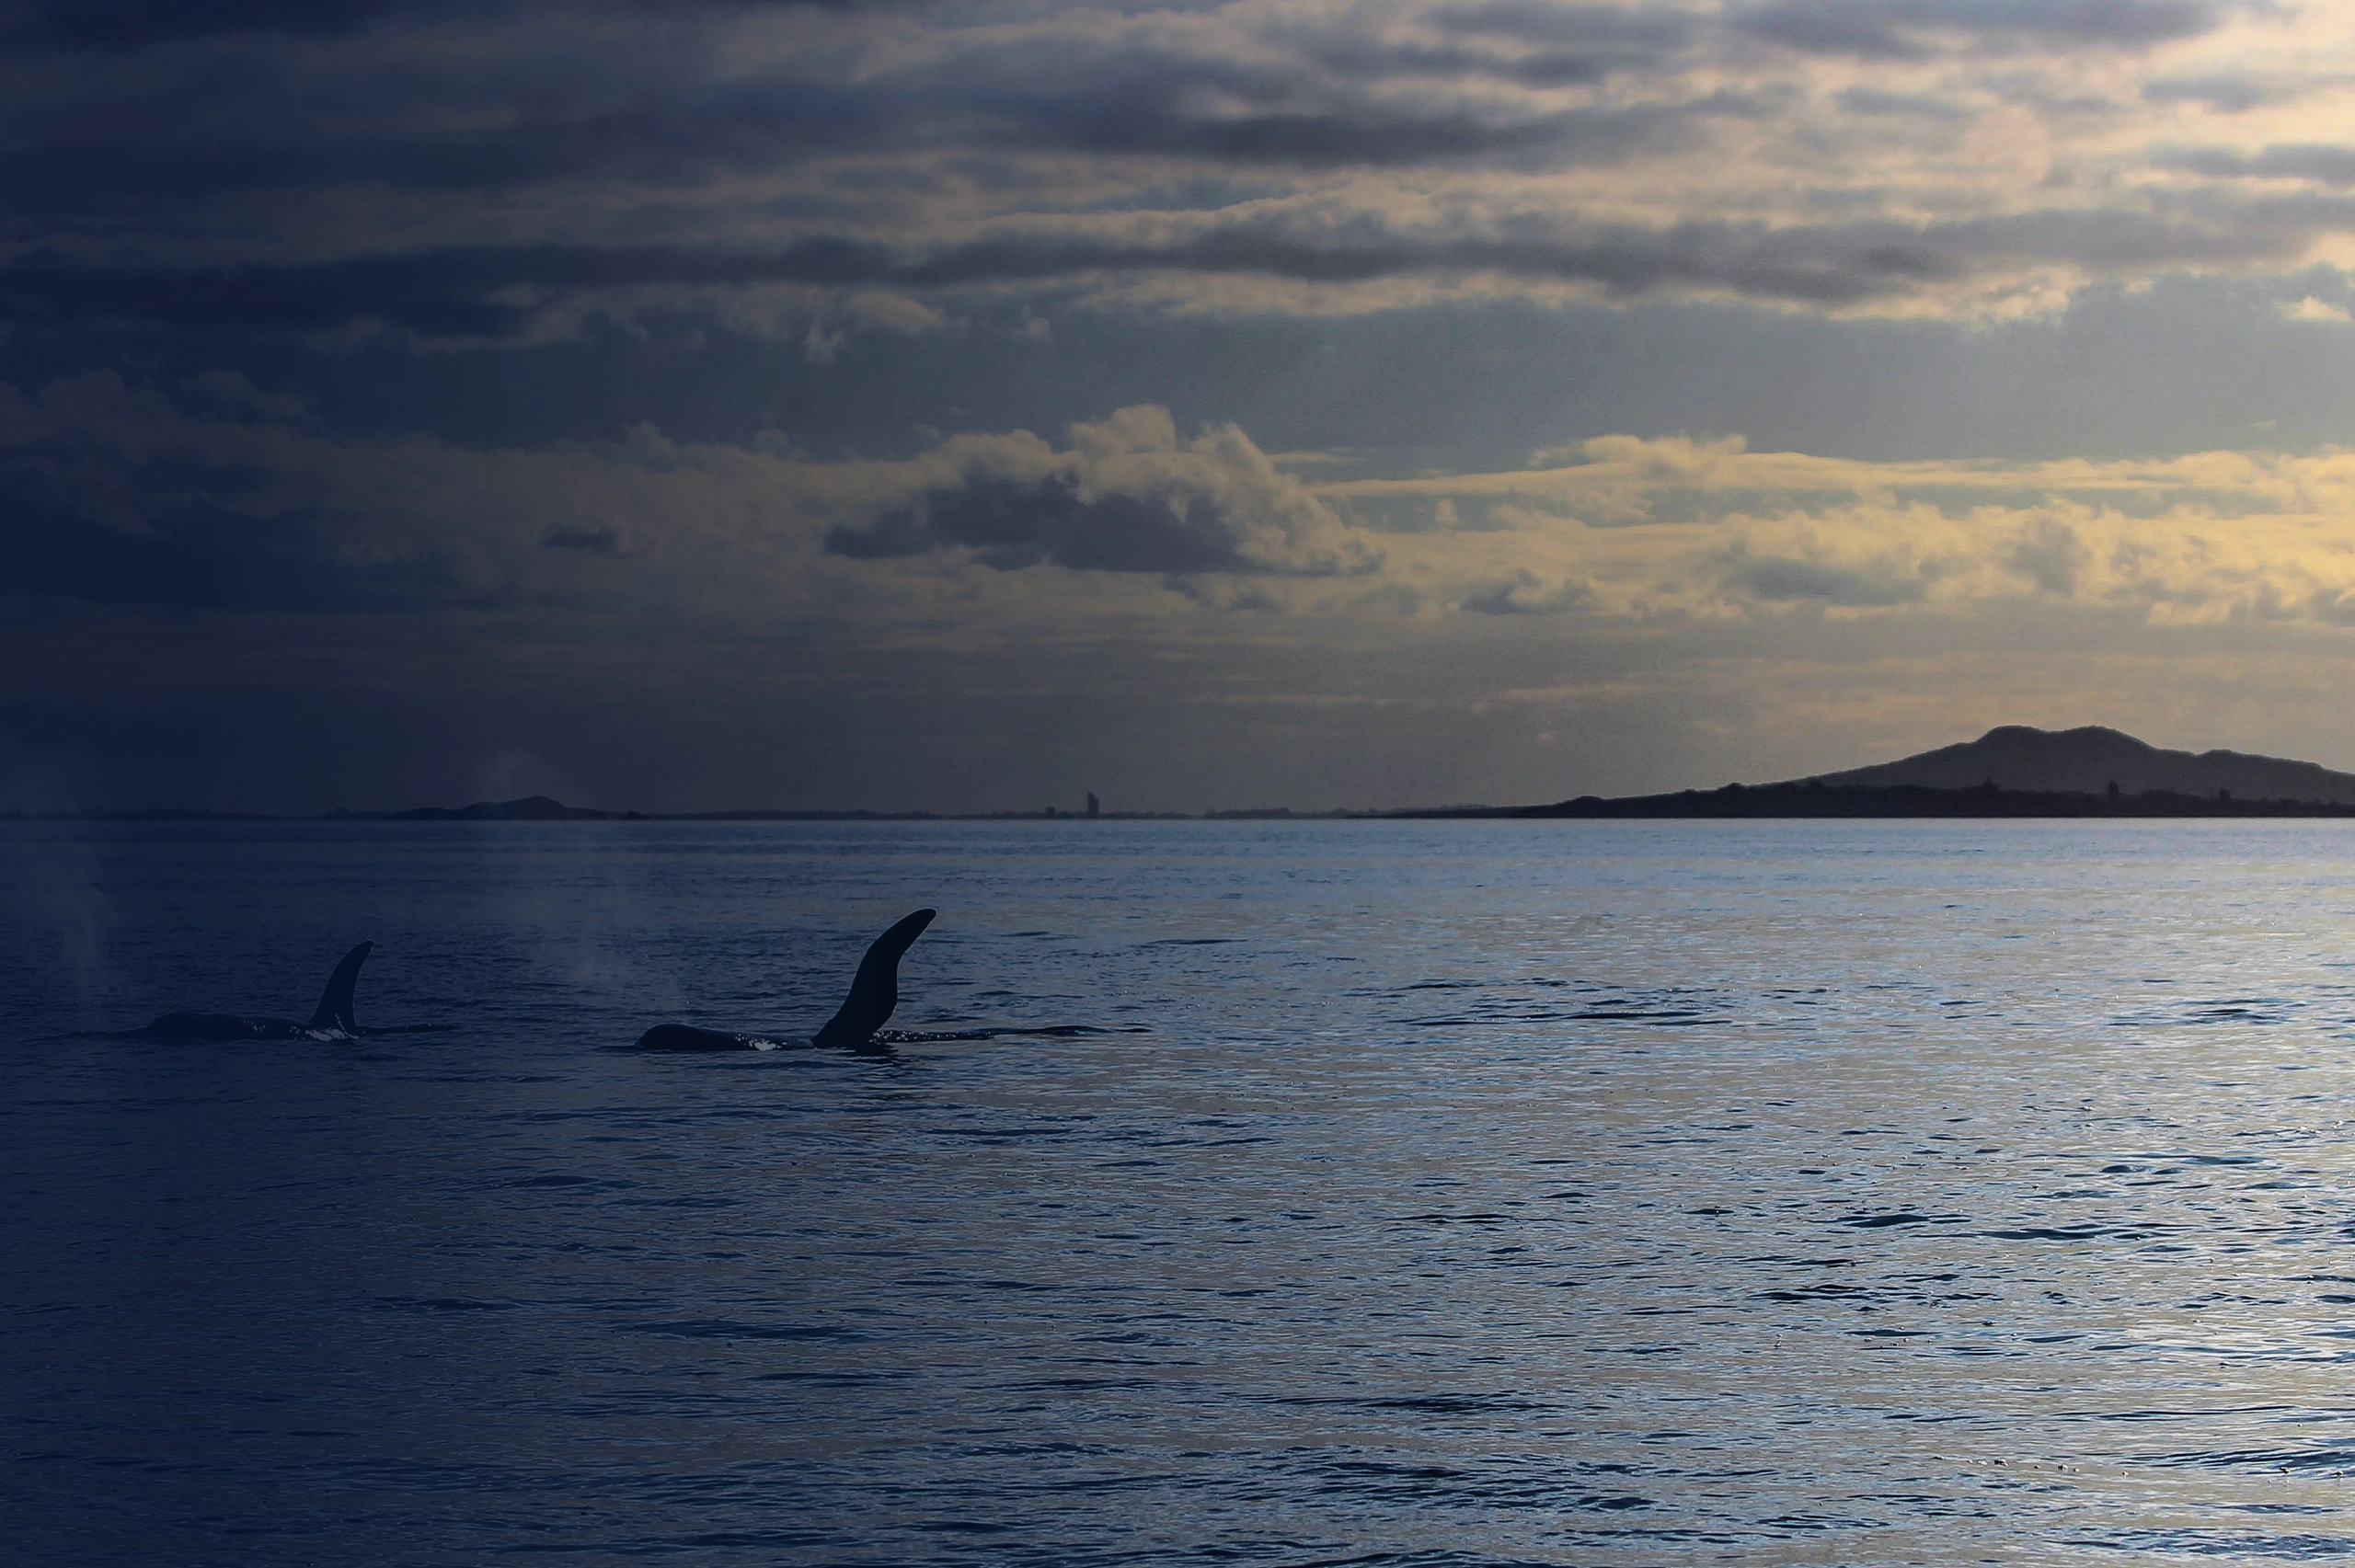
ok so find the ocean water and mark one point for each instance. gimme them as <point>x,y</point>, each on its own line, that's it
<point>1438,1194</point>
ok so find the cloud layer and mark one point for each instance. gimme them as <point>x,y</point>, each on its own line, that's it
<point>1008,390</point>
<point>203,567</point>
<point>505,173</point>
<point>212,498</point>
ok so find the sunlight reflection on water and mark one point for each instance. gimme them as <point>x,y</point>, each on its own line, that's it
<point>1482,1193</point>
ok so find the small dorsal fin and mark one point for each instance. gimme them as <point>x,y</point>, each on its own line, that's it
<point>335,1003</point>
<point>875,991</point>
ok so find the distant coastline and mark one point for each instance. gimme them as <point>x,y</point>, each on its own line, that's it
<point>2084,773</point>
<point>1745,801</point>
<point>1901,800</point>
<point>541,808</point>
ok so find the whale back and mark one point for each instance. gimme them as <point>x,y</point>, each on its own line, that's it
<point>335,1003</point>
<point>875,991</point>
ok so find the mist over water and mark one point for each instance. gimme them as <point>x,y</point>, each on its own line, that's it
<point>1481,1192</point>
<point>53,891</point>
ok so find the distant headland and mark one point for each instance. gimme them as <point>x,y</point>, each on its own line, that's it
<point>542,808</point>
<point>2011,771</point>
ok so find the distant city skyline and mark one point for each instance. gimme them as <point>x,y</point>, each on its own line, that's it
<point>1321,403</point>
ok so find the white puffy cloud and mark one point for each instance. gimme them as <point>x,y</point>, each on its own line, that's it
<point>1127,497</point>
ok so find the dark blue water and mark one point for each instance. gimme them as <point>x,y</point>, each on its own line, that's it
<point>1474,1194</point>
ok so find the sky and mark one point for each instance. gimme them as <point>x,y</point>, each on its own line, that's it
<point>967,405</point>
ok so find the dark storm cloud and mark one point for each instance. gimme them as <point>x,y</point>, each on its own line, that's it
<point>1321,103</point>
<point>2225,94</point>
<point>1012,523</point>
<point>1368,135</point>
<point>2051,556</point>
<point>1901,106</point>
<point>439,295</point>
<point>122,26</point>
<point>1908,29</point>
<point>442,97</point>
<point>1546,68</point>
<point>295,106</point>
<point>682,143</point>
<point>112,25</point>
<point>109,493</point>
<point>1788,579</point>
<point>471,294</point>
<point>1525,594</point>
<point>671,118</point>
<point>589,541</point>
<point>653,143</point>
<point>183,549</point>
<point>2332,166</point>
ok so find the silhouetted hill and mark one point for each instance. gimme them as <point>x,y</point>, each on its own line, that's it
<point>2011,771</point>
<point>1910,800</point>
<point>2090,759</point>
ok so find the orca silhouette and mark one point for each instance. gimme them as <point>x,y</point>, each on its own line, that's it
<point>332,1019</point>
<point>873,993</point>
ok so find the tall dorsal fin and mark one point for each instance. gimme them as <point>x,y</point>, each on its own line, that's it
<point>335,1003</point>
<point>875,991</point>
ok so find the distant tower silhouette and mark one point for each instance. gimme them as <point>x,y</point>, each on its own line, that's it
<point>1094,805</point>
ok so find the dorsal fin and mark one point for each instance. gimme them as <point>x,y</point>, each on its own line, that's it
<point>335,1003</point>
<point>875,991</point>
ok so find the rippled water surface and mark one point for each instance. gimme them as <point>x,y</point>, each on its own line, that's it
<point>1452,1192</point>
